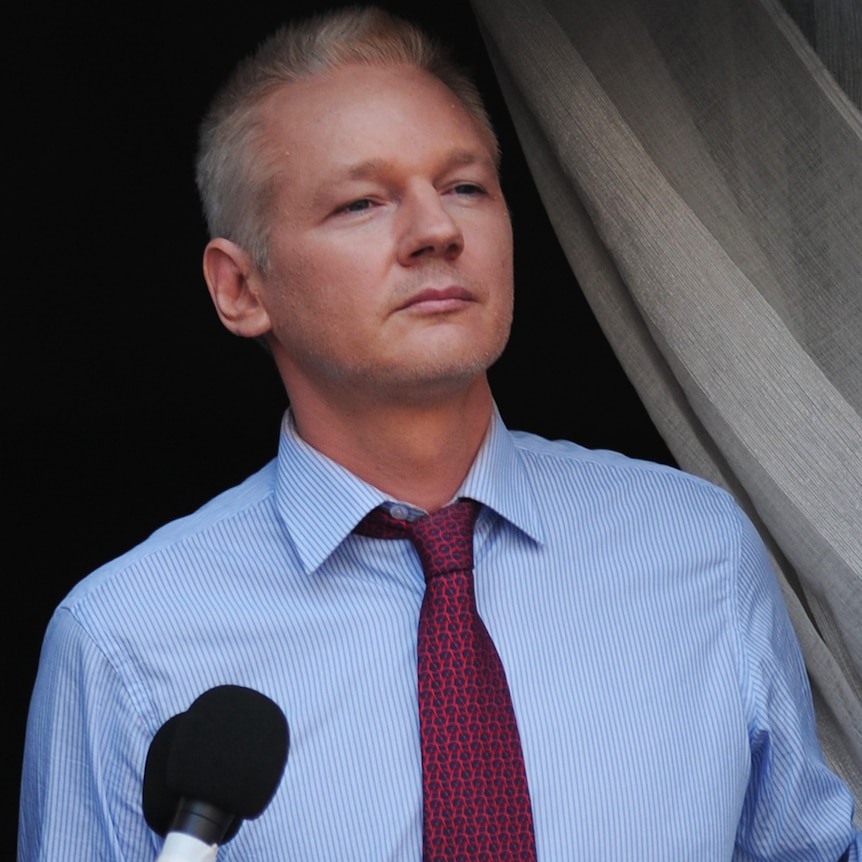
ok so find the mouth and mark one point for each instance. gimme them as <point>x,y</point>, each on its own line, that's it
<point>436,300</point>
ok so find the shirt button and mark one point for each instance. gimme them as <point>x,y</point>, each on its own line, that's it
<point>400,512</point>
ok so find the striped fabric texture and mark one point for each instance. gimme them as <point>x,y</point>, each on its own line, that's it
<point>661,701</point>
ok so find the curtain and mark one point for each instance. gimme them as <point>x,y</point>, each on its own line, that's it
<point>701,162</point>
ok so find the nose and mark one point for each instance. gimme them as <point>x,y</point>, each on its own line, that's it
<point>427,228</point>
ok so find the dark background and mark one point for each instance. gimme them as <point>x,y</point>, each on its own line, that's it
<point>129,404</point>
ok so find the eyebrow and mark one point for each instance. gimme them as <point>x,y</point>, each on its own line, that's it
<point>457,158</point>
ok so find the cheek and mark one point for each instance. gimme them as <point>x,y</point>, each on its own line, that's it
<point>501,259</point>
<point>496,237</point>
<point>344,269</point>
<point>299,281</point>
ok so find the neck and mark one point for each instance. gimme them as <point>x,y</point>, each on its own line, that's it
<point>418,452</point>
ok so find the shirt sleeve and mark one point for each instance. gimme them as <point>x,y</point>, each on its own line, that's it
<point>795,806</point>
<point>83,757</point>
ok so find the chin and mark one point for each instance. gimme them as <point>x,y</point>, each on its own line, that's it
<point>434,378</point>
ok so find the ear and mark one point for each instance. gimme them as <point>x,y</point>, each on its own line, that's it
<point>234,285</point>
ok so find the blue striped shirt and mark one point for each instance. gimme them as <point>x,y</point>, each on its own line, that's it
<point>661,699</point>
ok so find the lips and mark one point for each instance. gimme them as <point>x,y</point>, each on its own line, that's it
<point>438,299</point>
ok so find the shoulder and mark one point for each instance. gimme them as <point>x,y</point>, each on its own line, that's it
<point>646,508</point>
<point>131,626</point>
<point>605,473</point>
<point>176,549</point>
<point>566,453</point>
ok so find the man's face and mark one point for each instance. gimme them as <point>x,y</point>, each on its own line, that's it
<point>390,247</point>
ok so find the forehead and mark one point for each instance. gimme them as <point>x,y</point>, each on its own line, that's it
<point>367,115</point>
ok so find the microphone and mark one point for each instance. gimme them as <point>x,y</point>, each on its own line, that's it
<point>212,767</point>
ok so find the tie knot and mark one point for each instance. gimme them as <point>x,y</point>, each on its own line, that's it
<point>443,540</point>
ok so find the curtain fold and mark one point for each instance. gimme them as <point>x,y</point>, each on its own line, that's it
<point>702,168</point>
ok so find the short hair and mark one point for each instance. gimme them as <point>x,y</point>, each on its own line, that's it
<point>235,188</point>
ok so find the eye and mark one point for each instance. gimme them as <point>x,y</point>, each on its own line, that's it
<point>357,206</point>
<point>468,189</point>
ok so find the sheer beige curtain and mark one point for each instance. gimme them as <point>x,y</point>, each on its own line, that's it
<point>702,166</point>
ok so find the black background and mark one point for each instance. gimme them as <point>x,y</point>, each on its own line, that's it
<point>129,404</point>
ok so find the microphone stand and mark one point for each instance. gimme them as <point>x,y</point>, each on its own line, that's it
<point>179,847</point>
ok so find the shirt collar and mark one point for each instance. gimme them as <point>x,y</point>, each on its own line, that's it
<point>498,480</point>
<point>320,502</point>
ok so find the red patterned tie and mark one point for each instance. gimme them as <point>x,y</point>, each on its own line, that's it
<point>476,801</point>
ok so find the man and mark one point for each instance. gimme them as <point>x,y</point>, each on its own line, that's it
<point>349,177</point>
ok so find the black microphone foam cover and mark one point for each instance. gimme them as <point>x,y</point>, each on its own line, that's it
<point>229,749</point>
<point>159,801</point>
